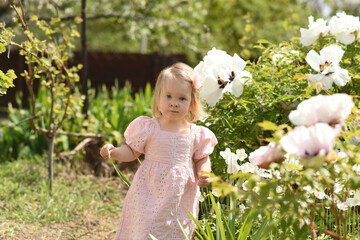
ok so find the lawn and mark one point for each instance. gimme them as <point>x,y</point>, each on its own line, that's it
<point>81,206</point>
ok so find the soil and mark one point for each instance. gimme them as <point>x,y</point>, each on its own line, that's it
<point>90,227</point>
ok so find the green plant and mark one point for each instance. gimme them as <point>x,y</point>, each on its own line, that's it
<point>47,63</point>
<point>25,196</point>
<point>17,138</point>
<point>123,106</point>
<point>6,79</point>
<point>306,196</point>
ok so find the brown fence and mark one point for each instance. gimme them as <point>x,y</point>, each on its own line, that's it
<point>103,68</point>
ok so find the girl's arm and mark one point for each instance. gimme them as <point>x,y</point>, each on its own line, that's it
<point>203,165</point>
<point>123,153</point>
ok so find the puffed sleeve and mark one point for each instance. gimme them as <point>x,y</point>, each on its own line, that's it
<point>138,132</point>
<point>204,143</point>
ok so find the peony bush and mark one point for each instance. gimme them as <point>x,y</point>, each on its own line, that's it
<point>287,165</point>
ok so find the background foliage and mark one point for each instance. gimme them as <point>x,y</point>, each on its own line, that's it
<point>18,139</point>
<point>193,27</point>
<point>180,26</point>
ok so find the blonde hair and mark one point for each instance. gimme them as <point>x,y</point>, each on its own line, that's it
<point>179,72</point>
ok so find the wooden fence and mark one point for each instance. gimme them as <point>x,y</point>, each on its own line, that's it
<point>103,68</point>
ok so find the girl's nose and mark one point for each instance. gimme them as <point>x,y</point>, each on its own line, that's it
<point>173,103</point>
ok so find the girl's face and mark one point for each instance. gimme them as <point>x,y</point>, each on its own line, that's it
<point>175,99</point>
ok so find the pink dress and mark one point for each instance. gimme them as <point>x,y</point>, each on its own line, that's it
<point>164,187</point>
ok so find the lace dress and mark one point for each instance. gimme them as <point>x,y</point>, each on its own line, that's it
<point>164,187</point>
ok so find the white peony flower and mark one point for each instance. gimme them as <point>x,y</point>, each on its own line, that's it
<point>327,64</point>
<point>344,27</point>
<point>220,73</point>
<point>310,144</point>
<point>332,109</point>
<point>316,29</point>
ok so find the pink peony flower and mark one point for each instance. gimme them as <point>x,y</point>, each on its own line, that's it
<point>333,110</point>
<point>311,144</point>
<point>263,156</point>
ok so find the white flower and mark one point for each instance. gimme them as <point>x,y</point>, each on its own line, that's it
<point>343,206</point>
<point>279,189</point>
<point>340,154</point>
<point>308,189</point>
<point>241,154</point>
<point>220,73</point>
<point>344,27</point>
<point>319,194</point>
<point>327,64</point>
<point>226,154</point>
<point>316,29</point>
<point>332,109</point>
<point>356,169</point>
<point>291,162</point>
<point>338,187</point>
<point>263,156</point>
<point>244,185</point>
<point>265,173</point>
<point>201,199</point>
<point>231,160</point>
<point>214,192</point>
<point>233,166</point>
<point>354,201</point>
<point>248,168</point>
<point>310,144</point>
<point>242,208</point>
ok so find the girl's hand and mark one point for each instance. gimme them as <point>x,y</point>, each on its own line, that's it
<point>105,151</point>
<point>204,180</point>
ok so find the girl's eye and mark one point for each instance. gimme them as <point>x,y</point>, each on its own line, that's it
<point>168,96</point>
<point>182,99</point>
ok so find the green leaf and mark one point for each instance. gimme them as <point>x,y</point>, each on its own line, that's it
<point>260,231</point>
<point>246,226</point>
<point>218,217</point>
<point>183,230</point>
<point>267,125</point>
<point>198,225</point>
<point>122,176</point>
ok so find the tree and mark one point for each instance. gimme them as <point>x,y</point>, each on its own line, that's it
<point>6,79</point>
<point>236,25</point>
<point>172,26</point>
<point>46,60</point>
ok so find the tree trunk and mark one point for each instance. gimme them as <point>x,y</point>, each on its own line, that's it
<point>84,58</point>
<point>51,169</point>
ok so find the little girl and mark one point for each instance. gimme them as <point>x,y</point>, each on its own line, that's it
<point>165,187</point>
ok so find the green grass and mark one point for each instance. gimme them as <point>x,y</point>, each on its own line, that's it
<point>24,194</point>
